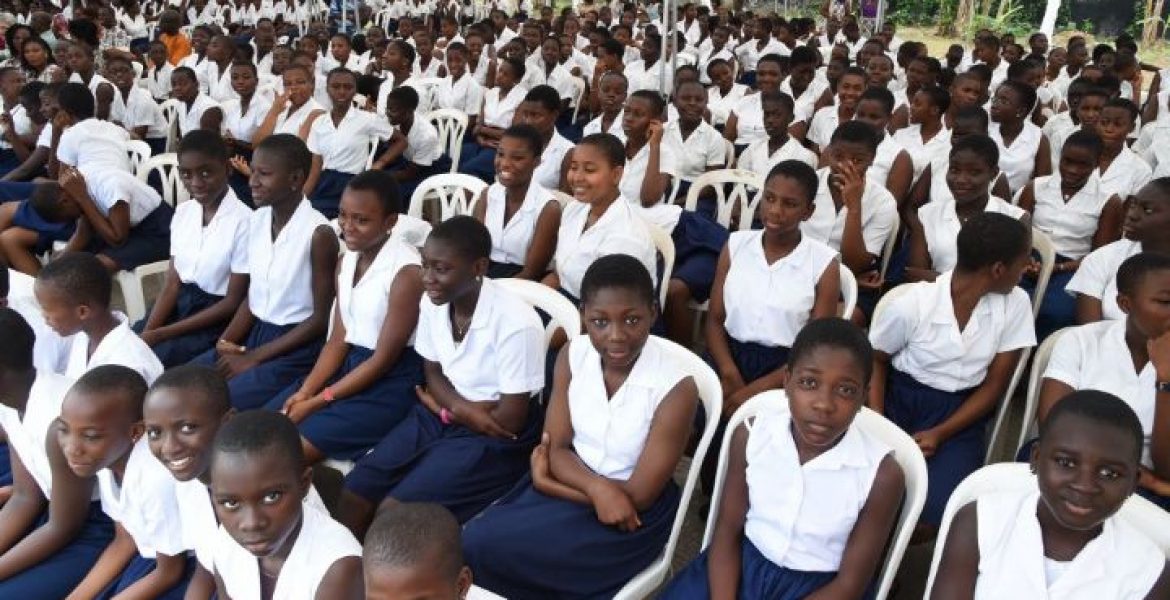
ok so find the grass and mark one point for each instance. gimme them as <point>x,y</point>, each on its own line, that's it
<point>1158,54</point>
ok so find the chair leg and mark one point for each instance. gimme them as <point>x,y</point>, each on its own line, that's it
<point>132,294</point>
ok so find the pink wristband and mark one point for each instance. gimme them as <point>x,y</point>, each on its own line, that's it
<point>444,416</point>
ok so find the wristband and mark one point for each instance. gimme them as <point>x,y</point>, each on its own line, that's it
<point>327,395</point>
<point>1162,387</point>
<point>444,416</point>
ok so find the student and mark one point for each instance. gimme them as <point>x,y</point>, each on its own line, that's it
<point>268,545</point>
<point>363,382</point>
<point>926,136</point>
<point>611,93</point>
<point>724,94</point>
<point>540,109</point>
<point>1095,282</point>
<point>697,146</point>
<point>1051,540</point>
<point>193,103</point>
<point>932,185</point>
<point>468,439</point>
<point>156,76</point>
<point>340,143</point>
<point>133,107</point>
<point>275,336</point>
<point>295,109</point>
<point>601,221</point>
<point>1078,216</point>
<point>81,139</point>
<point>74,293</point>
<point>208,275</point>
<point>413,152</point>
<point>17,130</point>
<point>753,51</point>
<point>891,163</point>
<point>825,121</point>
<point>786,468</point>
<point>146,556</point>
<point>1120,357</point>
<point>459,89</point>
<point>1086,101</point>
<point>1121,170</point>
<point>601,495</point>
<point>177,44</point>
<point>763,155</point>
<point>769,283</point>
<point>934,227</point>
<point>945,350</point>
<point>215,76</point>
<point>522,215</point>
<point>803,85</point>
<point>745,124</point>
<point>1023,150</point>
<point>238,120</point>
<point>499,106</point>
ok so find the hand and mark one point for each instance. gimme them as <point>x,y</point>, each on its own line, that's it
<point>654,131</point>
<point>281,100</point>
<point>928,442</point>
<point>72,181</point>
<point>614,507</point>
<point>870,280</point>
<point>1033,268</point>
<point>61,120</point>
<point>849,182</point>
<point>226,348</point>
<point>241,165</point>
<point>5,494</point>
<point>1159,350</point>
<point>539,461</point>
<point>150,337</point>
<point>477,416</point>
<point>302,404</point>
<point>732,382</point>
<point>427,399</point>
<point>230,365</point>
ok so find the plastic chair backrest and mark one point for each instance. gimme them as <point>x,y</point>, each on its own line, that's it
<point>665,246</point>
<point>564,314</point>
<point>888,248</point>
<point>167,166</point>
<point>170,110</point>
<point>579,87</point>
<point>905,451</point>
<point>452,192</point>
<point>1042,245</point>
<point>1028,425</point>
<point>711,396</point>
<point>848,292</point>
<point>744,195</point>
<point>139,151</point>
<point>452,126</point>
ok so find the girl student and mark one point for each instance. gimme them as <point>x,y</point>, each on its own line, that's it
<point>1023,149</point>
<point>934,227</point>
<point>601,500</point>
<point>1122,171</point>
<point>745,124</point>
<point>468,439</point>
<point>459,90</point>
<point>540,109</point>
<point>611,94</point>
<point>891,165</point>
<point>809,501</point>
<point>945,350</point>
<point>1061,537</point>
<point>294,110</point>
<point>1147,219</point>
<point>193,104</point>
<point>769,283</point>
<point>208,276</point>
<point>499,106</point>
<point>932,185</point>
<point>1077,214</point>
<point>698,147</point>
<point>521,214</point>
<point>850,87</point>
<point>362,384</point>
<point>238,120</point>
<point>779,146</point>
<point>275,336</point>
<point>724,93</point>
<point>340,143</point>
<point>926,135</point>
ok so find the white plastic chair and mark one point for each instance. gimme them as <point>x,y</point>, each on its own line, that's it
<point>579,87</point>
<point>888,248</point>
<point>371,152</point>
<point>563,198</point>
<point>167,166</point>
<point>171,109</point>
<point>665,246</point>
<point>452,126</point>
<point>729,155</point>
<point>564,314</point>
<point>130,282</point>
<point>905,451</point>
<point>1043,354</point>
<point>1042,245</point>
<point>711,395</point>
<point>744,195</point>
<point>1017,477</point>
<point>848,292</point>
<point>455,192</point>
<point>139,152</point>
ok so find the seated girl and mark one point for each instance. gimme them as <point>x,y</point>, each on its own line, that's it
<point>934,227</point>
<point>926,136</point>
<point>521,215</point>
<point>275,336</point>
<point>932,185</point>
<point>193,104</point>
<point>809,501</point>
<point>763,155</point>
<point>1052,541</point>
<point>1123,172</point>
<point>238,120</point>
<point>697,146</point>
<point>826,120</point>
<point>724,93</point>
<point>745,123</point>
<point>1078,216</point>
<point>208,276</point>
<point>499,106</point>
<point>540,109</point>
<point>601,500</point>
<point>611,101</point>
<point>294,110</point>
<point>413,152</point>
<point>362,384</point>
<point>891,165</point>
<point>945,351</point>
<point>466,442</point>
<point>1023,149</point>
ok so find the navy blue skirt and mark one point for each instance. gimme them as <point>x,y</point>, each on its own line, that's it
<point>348,428</point>
<point>149,241</point>
<point>57,575</point>
<point>1058,309</point>
<point>756,360</point>
<point>181,350</point>
<point>759,578</point>
<point>478,161</point>
<point>140,567</point>
<point>255,387</point>
<point>48,232</point>
<point>422,460</point>
<point>529,545</point>
<point>698,240</point>
<point>326,197</point>
<point>916,407</point>
<point>500,270</point>
<point>5,465</point>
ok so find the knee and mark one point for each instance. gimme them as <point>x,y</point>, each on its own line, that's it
<point>677,293</point>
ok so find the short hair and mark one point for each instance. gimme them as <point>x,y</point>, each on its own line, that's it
<point>111,59</point>
<point>115,379</point>
<point>293,152</point>
<point>546,96</point>
<point>189,72</point>
<point>980,72</point>
<point>410,534</point>
<point>779,61</point>
<point>207,143</point>
<point>406,49</point>
<point>77,100</point>
<point>854,71</point>
<point>836,333</point>
<point>1101,408</point>
<point>16,353</point>
<point>528,134</point>
<point>457,47</point>
<point>1096,91</point>
<point>612,46</point>
<point>1024,91</point>
<point>1079,87</point>
<point>939,97</point>
<point>802,55</point>
<point>404,96</point>
<point>466,235</point>
<point>340,71</point>
<point>259,431</point>
<point>1124,104</point>
<point>31,93</point>
<point>804,175</point>
<point>1017,69</point>
<point>81,275</point>
<point>516,65</point>
<point>617,271</point>
<point>204,381</point>
<point>1086,139</point>
<point>781,97</point>
<point>609,145</point>
<point>973,113</point>
<point>880,95</point>
<point>981,145</point>
<point>856,132</point>
<point>1134,270</point>
<point>989,238</point>
<point>381,183</point>
<point>657,103</point>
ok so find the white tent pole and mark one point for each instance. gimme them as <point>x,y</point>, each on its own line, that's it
<point>1048,23</point>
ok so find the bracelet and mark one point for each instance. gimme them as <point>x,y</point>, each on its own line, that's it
<point>327,395</point>
<point>444,416</point>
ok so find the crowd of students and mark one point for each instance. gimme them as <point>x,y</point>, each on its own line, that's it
<point>304,318</point>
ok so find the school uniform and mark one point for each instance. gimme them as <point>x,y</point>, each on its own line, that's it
<point>749,123</point>
<point>216,83</point>
<point>191,114</point>
<point>497,111</point>
<point>50,350</point>
<point>138,109</point>
<point>706,54</point>
<point>144,504</point>
<point>1057,129</point>
<point>879,213</point>
<point>529,545</point>
<point>642,77</point>
<point>422,149</point>
<point>552,158</point>
<point>344,148</point>
<point>150,218</point>
<point>940,224</point>
<point>157,81</point>
<point>423,460</point>
<point>320,543</point>
<point>1097,275</point>
<point>241,124</point>
<point>95,81</point>
<point>1018,160</point>
<point>620,230</point>
<point>464,95</point>
<point>290,120</point>
<point>922,150</point>
<point>57,575</point>
<point>1121,562</point>
<point>615,127</point>
<point>121,346</point>
<point>883,161</point>
<point>694,155</point>
<point>758,159</point>
<point>21,126</point>
<point>280,296</point>
<point>722,105</point>
<point>799,517</point>
<point>822,125</point>
<point>934,368</point>
<point>1126,175</point>
<point>511,239</point>
<point>93,145</point>
<point>750,53</point>
<point>204,257</point>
